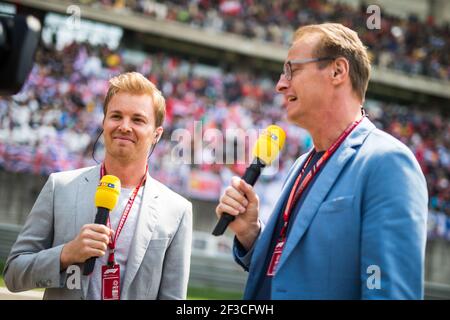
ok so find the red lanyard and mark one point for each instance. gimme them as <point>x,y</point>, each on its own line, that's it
<point>297,190</point>
<point>126,211</point>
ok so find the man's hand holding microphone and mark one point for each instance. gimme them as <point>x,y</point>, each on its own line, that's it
<point>241,201</point>
<point>239,205</point>
<point>93,239</point>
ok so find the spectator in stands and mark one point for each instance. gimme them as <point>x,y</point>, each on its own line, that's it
<point>351,220</point>
<point>55,137</point>
<point>407,45</point>
<point>152,225</point>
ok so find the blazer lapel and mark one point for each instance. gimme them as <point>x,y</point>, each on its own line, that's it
<point>148,216</point>
<point>323,185</point>
<point>85,212</point>
<point>87,187</point>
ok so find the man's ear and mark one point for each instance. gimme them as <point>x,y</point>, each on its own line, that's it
<point>340,69</point>
<point>158,133</point>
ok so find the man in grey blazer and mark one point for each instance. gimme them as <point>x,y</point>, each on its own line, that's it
<point>152,251</point>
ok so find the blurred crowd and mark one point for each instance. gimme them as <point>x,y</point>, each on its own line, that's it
<point>54,123</point>
<point>407,45</point>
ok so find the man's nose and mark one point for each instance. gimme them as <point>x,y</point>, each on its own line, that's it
<point>125,125</point>
<point>282,84</point>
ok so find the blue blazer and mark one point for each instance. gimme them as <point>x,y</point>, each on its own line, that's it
<point>361,231</point>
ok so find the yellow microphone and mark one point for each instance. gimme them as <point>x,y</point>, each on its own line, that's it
<point>265,151</point>
<point>108,192</point>
<point>106,197</point>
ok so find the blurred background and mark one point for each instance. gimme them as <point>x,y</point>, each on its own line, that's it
<point>217,63</point>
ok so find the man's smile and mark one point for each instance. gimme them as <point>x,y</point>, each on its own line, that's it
<point>123,138</point>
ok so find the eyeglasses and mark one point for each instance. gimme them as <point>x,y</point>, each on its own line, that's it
<point>287,68</point>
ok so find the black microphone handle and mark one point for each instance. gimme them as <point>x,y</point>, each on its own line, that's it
<point>100,218</point>
<point>250,176</point>
<point>253,171</point>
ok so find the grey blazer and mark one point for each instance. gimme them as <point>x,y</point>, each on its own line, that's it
<point>159,258</point>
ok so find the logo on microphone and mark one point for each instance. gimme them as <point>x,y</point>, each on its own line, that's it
<point>106,184</point>
<point>270,135</point>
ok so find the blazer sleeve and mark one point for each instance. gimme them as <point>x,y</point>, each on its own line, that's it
<point>32,262</point>
<point>394,214</point>
<point>242,256</point>
<point>175,276</point>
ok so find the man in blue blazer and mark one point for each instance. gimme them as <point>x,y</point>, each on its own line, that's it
<point>351,219</point>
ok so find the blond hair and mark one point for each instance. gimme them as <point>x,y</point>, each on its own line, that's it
<point>340,41</point>
<point>136,83</point>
